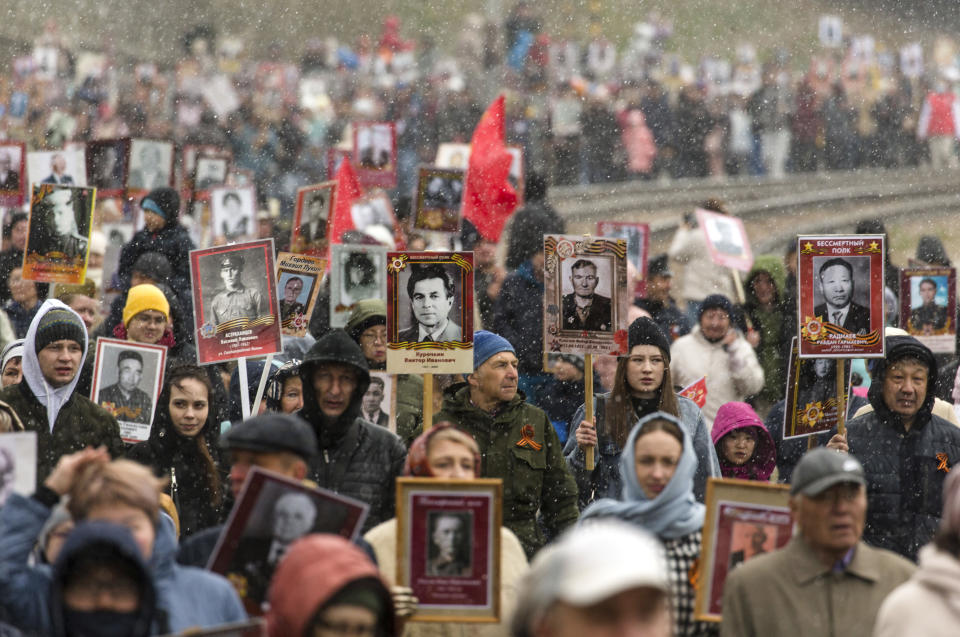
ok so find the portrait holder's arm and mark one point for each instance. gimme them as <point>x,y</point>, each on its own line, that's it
<point>23,588</point>
<point>744,367</point>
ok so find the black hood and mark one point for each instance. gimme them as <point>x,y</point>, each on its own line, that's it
<point>335,347</point>
<point>898,348</point>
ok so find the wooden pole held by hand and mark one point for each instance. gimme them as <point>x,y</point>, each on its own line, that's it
<point>427,402</point>
<point>841,397</point>
<point>588,401</point>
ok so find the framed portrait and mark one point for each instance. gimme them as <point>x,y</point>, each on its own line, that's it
<point>210,172</point>
<point>830,31</point>
<point>214,172</point>
<point>439,196</point>
<point>233,213</point>
<point>312,216</point>
<point>430,312</point>
<point>107,165</point>
<point>928,306</point>
<point>66,167</point>
<point>13,180</point>
<point>335,157</point>
<point>375,154</point>
<point>18,463</point>
<point>235,305</point>
<point>727,240</point>
<point>812,403</point>
<point>118,234</point>
<point>272,512</point>
<point>448,547</point>
<point>127,379</point>
<point>58,233</point>
<point>254,627</point>
<point>585,295</point>
<point>379,403</point>
<point>638,243</point>
<point>298,279</point>
<point>453,155</point>
<point>744,519</point>
<point>357,272</point>
<point>840,283</point>
<point>373,210</point>
<point>151,165</point>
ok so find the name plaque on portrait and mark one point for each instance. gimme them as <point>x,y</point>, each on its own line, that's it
<point>585,295</point>
<point>235,306</point>
<point>840,282</point>
<point>429,312</point>
<point>928,307</point>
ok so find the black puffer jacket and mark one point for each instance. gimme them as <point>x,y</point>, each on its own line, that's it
<point>905,470</point>
<point>357,458</point>
<point>198,496</point>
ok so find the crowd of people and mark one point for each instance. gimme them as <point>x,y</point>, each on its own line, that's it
<point>117,538</point>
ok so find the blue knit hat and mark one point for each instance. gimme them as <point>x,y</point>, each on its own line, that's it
<point>486,344</point>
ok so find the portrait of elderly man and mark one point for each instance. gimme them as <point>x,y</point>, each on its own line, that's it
<point>289,306</point>
<point>124,399</point>
<point>584,309</point>
<point>449,546</point>
<point>431,291</point>
<point>930,316</point>
<point>146,166</point>
<point>58,171</point>
<point>58,231</point>
<point>234,300</point>
<point>836,283</point>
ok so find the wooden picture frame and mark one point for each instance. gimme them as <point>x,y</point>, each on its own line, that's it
<point>463,587</point>
<point>733,507</point>
<point>439,198</point>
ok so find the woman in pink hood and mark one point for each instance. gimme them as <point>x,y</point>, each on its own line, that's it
<point>743,444</point>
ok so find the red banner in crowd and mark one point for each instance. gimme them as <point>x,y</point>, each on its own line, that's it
<point>488,197</point>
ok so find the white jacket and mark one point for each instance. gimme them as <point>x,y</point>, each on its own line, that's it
<point>701,276</point>
<point>928,604</point>
<point>732,373</point>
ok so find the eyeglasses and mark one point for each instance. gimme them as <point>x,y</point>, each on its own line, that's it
<point>374,337</point>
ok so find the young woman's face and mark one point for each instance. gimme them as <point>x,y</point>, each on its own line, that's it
<point>657,456</point>
<point>738,446</point>
<point>451,460</point>
<point>189,405</point>
<point>645,369</point>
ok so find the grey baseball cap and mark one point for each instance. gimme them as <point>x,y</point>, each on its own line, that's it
<point>823,468</point>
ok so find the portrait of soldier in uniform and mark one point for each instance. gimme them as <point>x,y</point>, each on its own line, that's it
<point>235,300</point>
<point>448,553</point>
<point>583,309</point>
<point>124,399</point>
<point>930,316</point>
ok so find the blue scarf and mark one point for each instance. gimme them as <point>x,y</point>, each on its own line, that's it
<point>674,512</point>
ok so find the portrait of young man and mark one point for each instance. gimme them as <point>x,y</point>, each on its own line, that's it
<point>448,553</point>
<point>930,316</point>
<point>234,299</point>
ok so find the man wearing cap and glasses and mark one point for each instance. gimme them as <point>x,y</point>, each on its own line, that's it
<point>825,581</point>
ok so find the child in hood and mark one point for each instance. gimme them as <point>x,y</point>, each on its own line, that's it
<point>744,446</point>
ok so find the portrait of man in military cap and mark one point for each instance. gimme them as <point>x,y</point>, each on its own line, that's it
<point>235,299</point>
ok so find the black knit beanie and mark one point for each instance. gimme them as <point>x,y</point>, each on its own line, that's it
<point>59,324</point>
<point>163,201</point>
<point>644,331</point>
<point>716,301</point>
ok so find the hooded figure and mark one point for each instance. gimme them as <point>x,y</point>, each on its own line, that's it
<point>736,416</point>
<point>321,571</point>
<point>764,307</point>
<point>64,420</point>
<point>357,458</point>
<point>107,550</point>
<point>906,457</point>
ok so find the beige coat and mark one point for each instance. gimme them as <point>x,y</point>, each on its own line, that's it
<point>791,593</point>
<point>929,604</point>
<point>513,566</point>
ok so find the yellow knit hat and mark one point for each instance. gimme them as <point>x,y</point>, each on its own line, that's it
<point>144,297</point>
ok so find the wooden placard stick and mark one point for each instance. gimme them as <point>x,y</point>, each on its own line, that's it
<point>427,402</point>
<point>738,286</point>
<point>841,398</point>
<point>588,402</point>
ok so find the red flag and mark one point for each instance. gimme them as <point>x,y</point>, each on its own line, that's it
<point>697,392</point>
<point>348,191</point>
<point>488,197</point>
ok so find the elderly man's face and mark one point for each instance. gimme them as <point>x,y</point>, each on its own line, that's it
<point>293,517</point>
<point>430,302</point>
<point>927,292</point>
<point>292,290</point>
<point>905,388</point>
<point>131,371</point>
<point>836,285</point>
<point>584,280</point>
<point>62,211</point>
<point>833,520</point>
<point>714,323</point>
<point>447,535</point>
<point>59,164</point>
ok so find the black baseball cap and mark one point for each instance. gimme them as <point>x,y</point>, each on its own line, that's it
<point>272,433</point>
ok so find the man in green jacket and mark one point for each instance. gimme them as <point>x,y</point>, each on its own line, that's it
<point>45,400</point>
<point>517,443</point>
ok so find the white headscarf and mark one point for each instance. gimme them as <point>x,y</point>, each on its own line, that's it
<point>53,399</point>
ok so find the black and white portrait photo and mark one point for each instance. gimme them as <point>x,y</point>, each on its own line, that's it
<point>18,463</point>
<point>60,219</point>
<point>431,293</point>
<point>312,214</point>
<point>724,234</point>
<point>234,286</point>
<point>233,213</point>
<point>57,167</point>
<point>375,405</point>
<point>210,171</point>
<point>374,147</point>
<point>842,292</point>
<point>151,164</point>
<point>11,170</point>
<point>586,287</point>
<point>127,382</point>
<point>449,543</point>
<point>357,273</point>
<point>107,163</point>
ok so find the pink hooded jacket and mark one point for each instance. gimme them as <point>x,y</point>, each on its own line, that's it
<point>737,415</point>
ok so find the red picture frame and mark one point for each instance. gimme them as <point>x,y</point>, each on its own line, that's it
<point>14,186</point>
<point>727,240</point>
